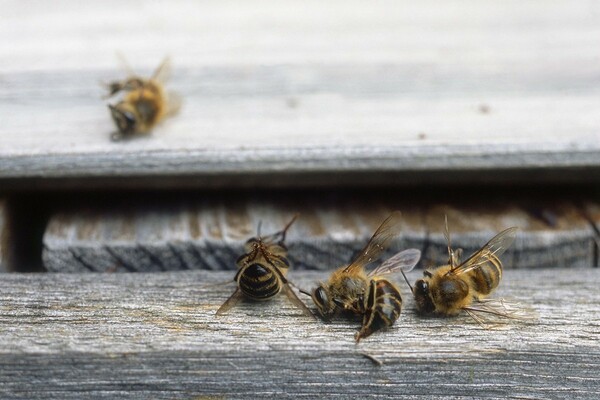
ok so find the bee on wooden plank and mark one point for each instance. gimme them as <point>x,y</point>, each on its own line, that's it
<point>449,289</point>
<point>144,103</point>
<point>262,272</point>
<point>352,289</point>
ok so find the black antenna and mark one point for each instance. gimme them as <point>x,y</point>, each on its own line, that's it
<point>450,252</point>
<point>447,234</point>
<point>284,230</point>
<point>407,282</point>
<point>299,289</point>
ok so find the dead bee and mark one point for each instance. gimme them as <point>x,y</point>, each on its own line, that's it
<point>145,102</point>
<point>353,290</point>
<point>449,289</point>
<point>262,271</point>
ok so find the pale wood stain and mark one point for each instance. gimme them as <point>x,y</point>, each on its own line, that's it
<point>361,93</point>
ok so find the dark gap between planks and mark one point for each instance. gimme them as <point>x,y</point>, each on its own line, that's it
<point>29,211</point>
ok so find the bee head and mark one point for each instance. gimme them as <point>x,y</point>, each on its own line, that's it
<point>124,117</point>
<point>253,244</point>
<point>322,300</point>
<point>423,297</point>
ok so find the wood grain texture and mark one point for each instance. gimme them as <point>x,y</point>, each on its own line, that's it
<point>209,233</point>
<point>552,234</point>
<point>591,211</point>
<point>156,336</point>
<point>397,92</point>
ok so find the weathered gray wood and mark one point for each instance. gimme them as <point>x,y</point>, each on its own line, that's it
<point>551,235</point>
<point>156,336</point>
<point>591,211</point>
<point>209,233</point>
<point>4,236</point>
<point>280,97</point>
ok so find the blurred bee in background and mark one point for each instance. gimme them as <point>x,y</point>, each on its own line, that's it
<point>262,271</point>
<point>144,104</point>
<point>352,289</point>
<point>449,289</point>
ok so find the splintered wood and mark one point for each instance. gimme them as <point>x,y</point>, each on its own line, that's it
<point>210,234</point>
<point>73,336</point>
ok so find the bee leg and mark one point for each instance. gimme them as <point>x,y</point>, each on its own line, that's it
<point>475,317</point>
<point>367,328</point>
<point>112,88</point>
<point>230,302</point>
<point>369,315</point>
<point>116,136</point>
<point>382,307</point>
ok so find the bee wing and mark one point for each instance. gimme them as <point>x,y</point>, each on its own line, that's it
<point>296,301</point>
<point>125,64</point>
<point>495,247</point>
<point>378,242</point>
<point>174,103</point>
<point>486,311</point>
<point>230,302</point>
<point>215,284</point>
<point>163,72</point>
<point>403,261</point>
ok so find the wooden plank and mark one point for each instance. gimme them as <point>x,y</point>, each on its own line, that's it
<point>209,232</point>
<point>156,336</point>
<point>363,94</point>
<point>552,234</point>
<point>591,211</point>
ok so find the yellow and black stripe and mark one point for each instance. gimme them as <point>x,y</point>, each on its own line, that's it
<point>486,277</point>
<point>383,305</point>
<point>259,282</point>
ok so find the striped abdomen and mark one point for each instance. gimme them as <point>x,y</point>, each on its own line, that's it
<point>258,282</point>
<point>383,304</point>
<point>486,277</point>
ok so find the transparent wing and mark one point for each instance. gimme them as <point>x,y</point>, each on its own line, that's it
<point>216,284</point>
<point>125,64</point>
<point>378,242</point>
<point>495,247</point>
<point>488,312</point>
<point>230,302</point>
<point>296,301</point>
<point>163,72</point>
<point>404,261</point>
<point>174,102</point>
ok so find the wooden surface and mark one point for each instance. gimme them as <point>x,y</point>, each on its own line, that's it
<point>208,233</point>
<point>156,336</point>
<point>282,93</point>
